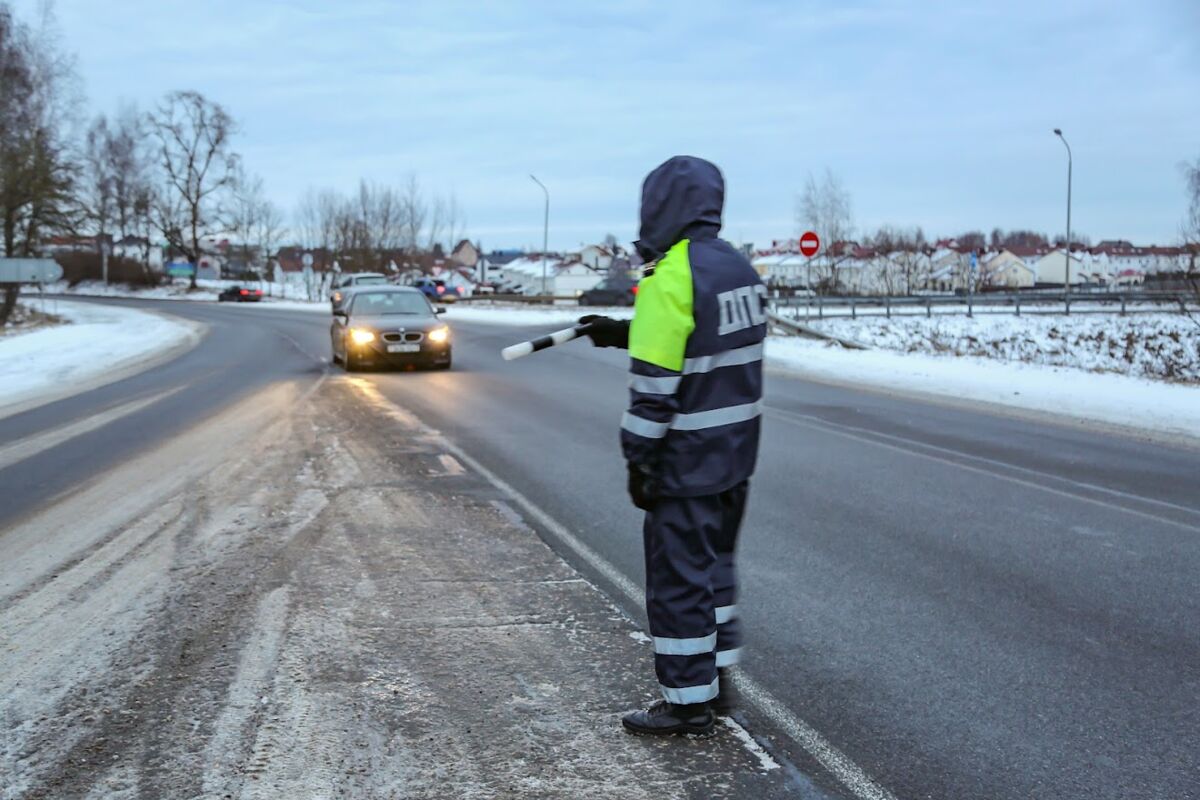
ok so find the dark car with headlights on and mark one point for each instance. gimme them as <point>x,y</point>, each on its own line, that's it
<point>389,326</point>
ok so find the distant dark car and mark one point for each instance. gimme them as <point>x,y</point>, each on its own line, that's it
<point>389,326</point>
<point>437,290</point>
<point>240,294</point>
<point>616,290</point>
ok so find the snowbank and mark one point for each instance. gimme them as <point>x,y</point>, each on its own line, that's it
<point>100,344</point>
<point>1164,346</point>
<point>1119,400</point>
<point>176,290</point>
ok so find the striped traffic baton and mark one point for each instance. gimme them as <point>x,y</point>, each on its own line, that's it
<point>542,342</point>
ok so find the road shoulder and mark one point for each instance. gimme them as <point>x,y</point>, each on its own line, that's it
<point>343,608</point>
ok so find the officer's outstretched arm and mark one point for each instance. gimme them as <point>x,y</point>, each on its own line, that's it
<point>658,335</point>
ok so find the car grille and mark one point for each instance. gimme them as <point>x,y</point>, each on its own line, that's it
<point>411,336</point>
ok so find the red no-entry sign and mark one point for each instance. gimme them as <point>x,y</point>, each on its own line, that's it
<point>809,244</point>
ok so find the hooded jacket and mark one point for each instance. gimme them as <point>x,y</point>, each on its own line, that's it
<point>696,340</point>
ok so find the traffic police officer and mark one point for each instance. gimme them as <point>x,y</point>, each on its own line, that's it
<point>690,435</point>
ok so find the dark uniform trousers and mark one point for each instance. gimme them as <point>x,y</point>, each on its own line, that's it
<point>691,590</point>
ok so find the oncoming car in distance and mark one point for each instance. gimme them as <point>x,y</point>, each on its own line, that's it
<point>351,280</point>
<point>437,290</point>
<point>389,326</point>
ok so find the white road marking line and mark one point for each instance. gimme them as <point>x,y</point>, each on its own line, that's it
<point>39,443</point>
<point>799,419</point>
<point>826,754</point>
<point>819,422</point>
<point>451,465</point>
<point>742,735</point>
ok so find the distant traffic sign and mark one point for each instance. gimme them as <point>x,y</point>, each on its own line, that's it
<point>29,270</point>
<point>810,243</point>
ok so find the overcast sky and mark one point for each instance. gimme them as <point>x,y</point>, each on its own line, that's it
<point>931,113</point>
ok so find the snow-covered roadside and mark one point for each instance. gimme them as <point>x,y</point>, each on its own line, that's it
<point>1171,410</point>
<point>178,289</point>
<point>100,344</point>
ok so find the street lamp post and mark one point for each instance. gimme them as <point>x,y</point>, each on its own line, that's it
<point>545,230</point>
<point>1067,287</point>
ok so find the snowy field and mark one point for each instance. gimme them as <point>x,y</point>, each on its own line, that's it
<point>1164,346</point>
<point>1168,409</point>
<point>99,344</point>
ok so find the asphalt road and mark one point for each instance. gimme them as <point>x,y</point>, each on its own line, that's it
<point>964,603</point>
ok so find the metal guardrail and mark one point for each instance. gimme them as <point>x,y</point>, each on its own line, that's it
<point>793,328</point>
<point>1123,303</point>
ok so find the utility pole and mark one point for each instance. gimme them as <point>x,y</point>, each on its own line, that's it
<point>545,231</point>
<point>1067,287</point>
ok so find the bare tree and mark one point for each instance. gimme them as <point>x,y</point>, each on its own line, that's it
<point>199,169</point>
<point>972,240</point>
<point>1024,239</point>
<point>456,221</point>
<point>316,221</point>
<point>1190,232</point>
<point>901,260</point>
<point>97,193</point>
<point>413,216</point>
<point>39,103</point>
<point>824,207</point>
<point>129,164</point>
<point>256,222</point>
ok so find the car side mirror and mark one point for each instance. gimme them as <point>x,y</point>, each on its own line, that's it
<point>440,310</point>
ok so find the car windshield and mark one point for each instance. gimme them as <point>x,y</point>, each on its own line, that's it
<point>373,280</point>
<point>372,303</point>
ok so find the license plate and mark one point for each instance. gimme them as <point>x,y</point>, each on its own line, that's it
<point>404,348</point>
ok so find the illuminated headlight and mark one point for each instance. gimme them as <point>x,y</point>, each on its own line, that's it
<point>439,335</point>
<point>361,336</point>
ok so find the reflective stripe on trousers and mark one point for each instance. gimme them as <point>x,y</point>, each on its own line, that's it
<point>690,591</point>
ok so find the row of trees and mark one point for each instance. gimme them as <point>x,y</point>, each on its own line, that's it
<point>170,174</point>
<point>376,226</point>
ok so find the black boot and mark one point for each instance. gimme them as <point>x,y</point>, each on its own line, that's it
<point>666,718</point>
<point>726,701</point>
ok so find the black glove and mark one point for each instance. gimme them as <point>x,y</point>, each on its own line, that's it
<point>606,331</point>
<point>643,485</point>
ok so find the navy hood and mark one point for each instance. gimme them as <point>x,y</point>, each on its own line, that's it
<point>683,195</point>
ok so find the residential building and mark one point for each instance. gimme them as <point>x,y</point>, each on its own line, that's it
<point>1051,269</point>
<point>1007,270</point>
<point>465,254</point>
